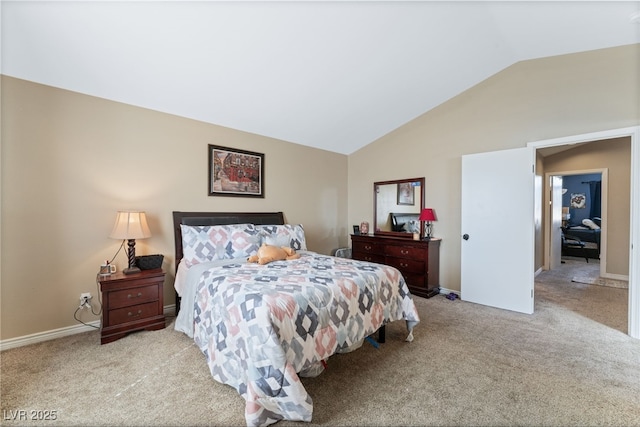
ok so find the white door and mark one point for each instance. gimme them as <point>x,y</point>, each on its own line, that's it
<point>497,244</point>
<point>556,222</point>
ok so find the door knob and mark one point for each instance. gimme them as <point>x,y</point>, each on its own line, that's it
<point>465,236</point>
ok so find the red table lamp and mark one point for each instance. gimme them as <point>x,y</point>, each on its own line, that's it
<point>428,215</point>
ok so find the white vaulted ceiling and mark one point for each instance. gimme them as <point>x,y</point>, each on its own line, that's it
<point>333,75</point>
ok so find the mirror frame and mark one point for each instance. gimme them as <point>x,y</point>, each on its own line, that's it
<point>375,207</point>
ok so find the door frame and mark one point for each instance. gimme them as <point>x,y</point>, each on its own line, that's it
<point>552,252</point>
<point>634,242</point>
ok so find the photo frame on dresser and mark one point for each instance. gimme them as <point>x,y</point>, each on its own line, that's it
<point>235,173</point>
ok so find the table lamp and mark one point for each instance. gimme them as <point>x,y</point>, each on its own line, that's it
<point>131,225</point>
<point>427,215</point>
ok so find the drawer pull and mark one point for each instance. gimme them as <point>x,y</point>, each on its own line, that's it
<point>404,251</point>
<point>135,296</point>
<point>403,265</point>
<point>367,248</point>
<point>367,258</point>
<point>130,314</point>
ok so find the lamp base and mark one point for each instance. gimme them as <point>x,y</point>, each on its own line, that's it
<point>427,231</point>
<point>131,270</point>
<point>132,258</point>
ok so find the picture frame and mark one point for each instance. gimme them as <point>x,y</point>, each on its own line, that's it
<point>356,229</point>
<point>578,200</point>
<point>235,173</point>
<point>406,194</point>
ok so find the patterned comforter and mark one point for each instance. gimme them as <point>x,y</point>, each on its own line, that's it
<point>261,326</point>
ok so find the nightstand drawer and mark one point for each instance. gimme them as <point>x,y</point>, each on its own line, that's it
<point>133,313</point>
<point>133,296</point>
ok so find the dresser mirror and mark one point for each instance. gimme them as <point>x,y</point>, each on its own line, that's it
<point>396,207</point>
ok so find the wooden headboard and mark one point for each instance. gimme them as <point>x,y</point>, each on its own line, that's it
<point>217,218</point>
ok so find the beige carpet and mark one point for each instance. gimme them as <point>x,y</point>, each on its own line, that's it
<point>468,365</point>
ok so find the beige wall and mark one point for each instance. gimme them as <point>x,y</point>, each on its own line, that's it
<point>614,155</point>
<point>529,101</point>
<point>70,161</point>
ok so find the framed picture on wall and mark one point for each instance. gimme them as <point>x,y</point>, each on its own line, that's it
<point>578,200</point>
<point>234,172</point>
<point>405,194</point>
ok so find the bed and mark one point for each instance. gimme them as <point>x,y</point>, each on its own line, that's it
<point>262,327</point>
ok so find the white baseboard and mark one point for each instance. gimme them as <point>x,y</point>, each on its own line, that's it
<point>48,335</point>
<point>169,310</point>
<point>445,291</point>
<point>615,276</point>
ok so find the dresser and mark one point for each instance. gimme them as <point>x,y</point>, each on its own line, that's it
<point>131,302</point>
<point>417,260</point>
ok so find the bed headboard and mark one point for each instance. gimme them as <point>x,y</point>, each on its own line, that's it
<point>218,218</point>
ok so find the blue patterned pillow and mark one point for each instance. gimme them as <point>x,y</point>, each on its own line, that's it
<point>284,235</point>
<point>213,242</point>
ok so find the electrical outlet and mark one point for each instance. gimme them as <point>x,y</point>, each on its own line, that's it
<point>85,299</point>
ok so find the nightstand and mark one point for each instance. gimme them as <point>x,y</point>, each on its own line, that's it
<point>131,302</point>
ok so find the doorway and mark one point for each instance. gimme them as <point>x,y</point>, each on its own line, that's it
<point>577,208</point>
<point>480,212</point>
<point>633,134</point>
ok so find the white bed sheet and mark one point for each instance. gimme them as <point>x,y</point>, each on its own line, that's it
<point>186,284</point>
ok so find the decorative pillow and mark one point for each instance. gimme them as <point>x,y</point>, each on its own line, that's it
<point>212,242</point>
<point>288,235</point>
<point>592,225</point>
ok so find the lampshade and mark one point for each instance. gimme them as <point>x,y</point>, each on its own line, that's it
<point>427,214</point>
<point>130,225</point>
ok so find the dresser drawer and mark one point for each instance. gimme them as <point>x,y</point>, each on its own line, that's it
<point>364,256</point>
<point>407,252</point>
<point>407,265</point>
<point>415,280</point>
<point>133,313</point>
<point>133,296</point>
<point>367,247</point>
<point>417,284</point>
